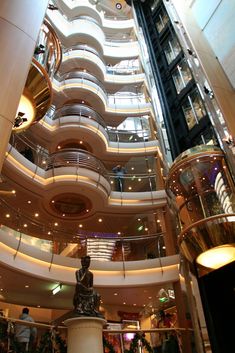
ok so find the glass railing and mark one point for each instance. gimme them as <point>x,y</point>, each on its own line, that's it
<point>127,98</point>
<point>69,157</point>
<point>121,98</point>
<point>127,69</point>
<point>79,110</point>
<point>48,51</point>
<point>74,157</point>
<point>130,136</point>
<point>82,47</point>
<point>134,183</point>
<point>35,153</point>
<point>117,337</point>
<point>99,246</point>
<point>81,76</point>
<point>120,38</point>
<point>114,134</point>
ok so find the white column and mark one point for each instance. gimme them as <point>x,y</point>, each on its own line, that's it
<point>85,334</point>
<point>20,22</point>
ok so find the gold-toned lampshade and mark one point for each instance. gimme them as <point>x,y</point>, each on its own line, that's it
<point>217,257</point>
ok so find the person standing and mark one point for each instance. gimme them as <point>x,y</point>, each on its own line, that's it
<point>25,334</point>
<point>119,178</point>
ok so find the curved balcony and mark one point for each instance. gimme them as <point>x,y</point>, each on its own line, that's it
<point>114,134</point>
<point>88,31</point>
<point>69,161</point>
<point>200,181</point>
<point>80,110</point>
<point>125,71</point>
<point>91,90</point>
<point>44,264</point>
<point>74,10</point>
<point>81,76</point>
<point>63,242</point>
<point>74,157</point>
<point>48,51</point>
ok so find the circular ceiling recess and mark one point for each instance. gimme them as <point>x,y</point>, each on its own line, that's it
<point>70,205</point>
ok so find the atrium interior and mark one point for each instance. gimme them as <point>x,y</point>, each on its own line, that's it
<point>117,142</point>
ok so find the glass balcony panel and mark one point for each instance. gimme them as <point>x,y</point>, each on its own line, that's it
<point>48,51</point>
<point>172,49</point>
<point>181,76</point>
<point>162,20</point>
<point>189,114</point>
<point>134,183</point>
<point>193,109</point>
<point>129,136</point>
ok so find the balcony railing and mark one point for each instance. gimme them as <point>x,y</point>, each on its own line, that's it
<point>99,246</point>
<point>83,76</point>
<point>136,182</point>
<point>125,69</point>
<point>114,134</point>
<point>74,157</point>
<point>119,336</point>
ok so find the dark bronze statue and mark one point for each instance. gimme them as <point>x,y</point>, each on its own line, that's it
<point>86,300</point>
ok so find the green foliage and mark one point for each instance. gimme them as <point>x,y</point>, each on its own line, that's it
<point>108,345</point>
<point>135,344</point>
<point>51,342</point>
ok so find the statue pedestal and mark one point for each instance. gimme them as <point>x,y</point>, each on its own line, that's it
<point>85,334</point>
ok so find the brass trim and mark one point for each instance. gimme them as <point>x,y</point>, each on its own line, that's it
<point>56,43</point>
<point>38,89</point>
<point>206,234</point>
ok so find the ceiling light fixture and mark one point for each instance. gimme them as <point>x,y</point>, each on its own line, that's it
<point>118,6</point>
<point>57,289</point>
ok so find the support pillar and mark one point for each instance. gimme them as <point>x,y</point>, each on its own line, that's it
<point>85,334</point>
<point>20,23</point>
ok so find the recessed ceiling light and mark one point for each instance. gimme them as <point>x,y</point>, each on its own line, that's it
<point>26,286</point>
<point>118,6</point>
<point>134,304</point>
<point>119,233</point>
<point>49,233</point>
<point>25,225</point>
<point>80,225</point>
<point>63,215</point>
<point>100,220</point>
<point>36,214</point>
<point>55,224</point>
<point>13,191</point>
<point>53,201</point>
<point>29,202</point>
<point>115,294</point>
<point>38,306</point>
<point>7,215</point>
<point>124,303</point>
